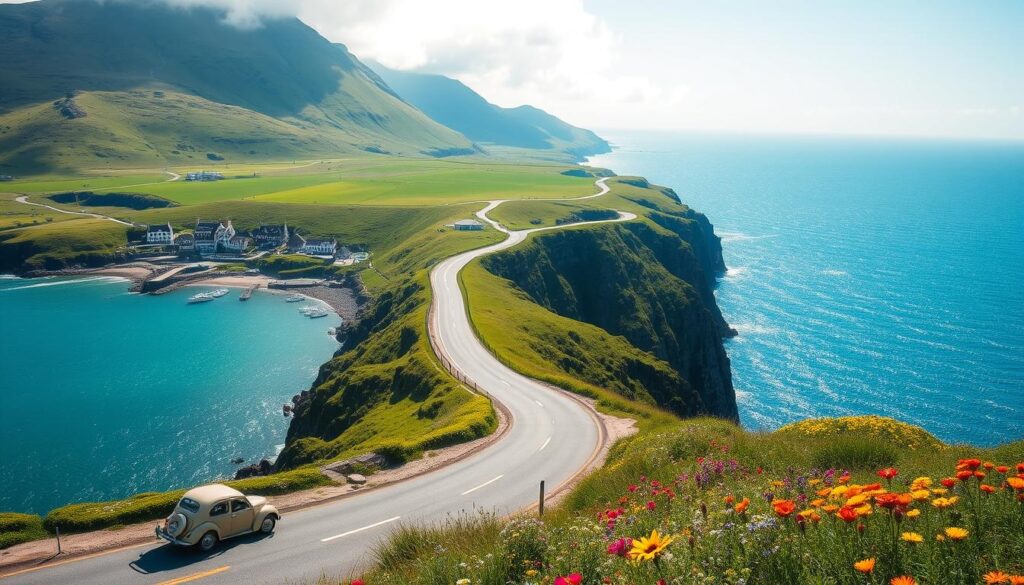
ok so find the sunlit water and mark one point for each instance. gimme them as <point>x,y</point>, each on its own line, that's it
<point>104,393</point>
<point>865,275</point>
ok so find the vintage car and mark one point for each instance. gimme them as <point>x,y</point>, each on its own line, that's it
<point>206,515</point>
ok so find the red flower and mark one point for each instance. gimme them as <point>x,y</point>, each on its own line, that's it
<point>574,579</point>
<point>964,475</point>
<point>358,582</point>
<point>847,513</point>
<point>632,488</point>
<point>1002,469</point>
<point>1020,468</point>
<point>986,488</point>
<point>888,473</point>
<point>651,505</point>
<point>971,464</point>
<point>948,482</point>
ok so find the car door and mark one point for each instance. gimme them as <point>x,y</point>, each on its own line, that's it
<point>221,516</point>
<point>242,517</point>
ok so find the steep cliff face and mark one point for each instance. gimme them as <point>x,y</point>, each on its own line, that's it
<point>653,284</point>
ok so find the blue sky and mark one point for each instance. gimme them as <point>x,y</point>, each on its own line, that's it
<point>937,68</point>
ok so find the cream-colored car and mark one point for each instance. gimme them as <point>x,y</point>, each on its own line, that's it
<point>207,515</point>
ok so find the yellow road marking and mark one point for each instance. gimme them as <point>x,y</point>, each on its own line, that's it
<point>195,577</point>
<point>75,559</point>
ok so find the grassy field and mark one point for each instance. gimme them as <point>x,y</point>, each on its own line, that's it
<point>15,215</point>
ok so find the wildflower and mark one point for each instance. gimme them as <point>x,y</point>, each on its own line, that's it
<point>891,501</point>
<point>1016,579</point>
<point>463,582</point>
<point>1002,469</point>
<point>904,580</point>
<point>865,566</point>
<point>742,506</point>
<point>648,547</point>
<point>651,505</point>
<point>847,513</point>
<point>620,547</point>
<point>1020,468</point>
<point>970,464</point>
<point>964,475</point>
<point>531,573</point>
<point>955,533</point>
<point>1016,483</point>
<point>943,503</point>
<point>988,465</point>
<point>920,495</point>
<point>632,488</point>
<point>913,513</point>
<point>986,488</point>
<point>888,473</point>
<point>783,507</point>
<point>573,579</point>
<point>911,537</point>
<point>921,483</point>
<point>948,482</point>
<point>357,582</point>
<point>729,500</point>
<point>993,577</point>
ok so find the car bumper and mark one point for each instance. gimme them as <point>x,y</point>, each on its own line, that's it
<point>161,533</point>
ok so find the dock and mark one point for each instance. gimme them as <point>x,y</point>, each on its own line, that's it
<point>247,292</point>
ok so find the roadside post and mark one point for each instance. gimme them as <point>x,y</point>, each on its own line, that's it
<point>540,507</point>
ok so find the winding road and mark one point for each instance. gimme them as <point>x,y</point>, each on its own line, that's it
<point>552,437</point>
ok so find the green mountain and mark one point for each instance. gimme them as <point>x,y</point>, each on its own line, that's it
<point>455,105</point>
<point>92,84</point>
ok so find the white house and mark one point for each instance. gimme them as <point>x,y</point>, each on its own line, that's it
<point>185,242</point>
<point>468,225</point>
<point>210,235</point>
<point>320,247</point>
<point>160,234</point>
<point>237,243</point>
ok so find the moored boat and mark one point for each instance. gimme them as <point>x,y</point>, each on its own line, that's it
<point>294,298</point>
<point>200,298</point>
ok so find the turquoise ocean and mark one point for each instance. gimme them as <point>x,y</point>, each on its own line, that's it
<point>104,393</point>
<point>866,275</point>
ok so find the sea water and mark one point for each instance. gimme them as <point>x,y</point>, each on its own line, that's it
<point>105,393</point>
<point>879,276</point>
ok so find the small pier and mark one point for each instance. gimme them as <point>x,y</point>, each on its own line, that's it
<point>247,293</point>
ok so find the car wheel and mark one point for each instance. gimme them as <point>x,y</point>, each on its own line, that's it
<point>268,525</point>
<point>208,541</point>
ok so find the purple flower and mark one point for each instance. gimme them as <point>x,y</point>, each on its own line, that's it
<point>620,547</point>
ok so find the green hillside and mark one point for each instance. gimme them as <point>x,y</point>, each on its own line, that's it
<point>453,104</point>
<point>88,84</point>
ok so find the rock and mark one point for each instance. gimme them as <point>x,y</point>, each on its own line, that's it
<point>356,479</point>
<point>372,459</point>
<point>264,467</point>
<point>237,461</point>
<point>341,467</point>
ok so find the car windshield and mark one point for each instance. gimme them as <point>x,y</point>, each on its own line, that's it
<point>189,504</point>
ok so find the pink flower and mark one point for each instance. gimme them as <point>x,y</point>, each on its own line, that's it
<point>574,579</point>
<point>620,547</point>
<point>632,487</point>
<point>651,505</point>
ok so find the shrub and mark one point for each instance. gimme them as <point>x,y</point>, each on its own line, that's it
<point>18,528</point>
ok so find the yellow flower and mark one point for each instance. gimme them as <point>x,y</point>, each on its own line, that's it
<point>911,537</point>
<point>856,500</point>
<point>940,491</point>
<point>863,510</point>
<point>865,566</point>
<point>921,483</point>
<point>920,495</point>
<point>649,547</point>
<point>913,513</point>
<point>943,503</point>
<point>955,533</point>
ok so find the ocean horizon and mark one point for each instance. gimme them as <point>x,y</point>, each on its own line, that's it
<point>865,275</point>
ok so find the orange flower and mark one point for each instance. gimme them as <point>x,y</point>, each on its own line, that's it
<point>865,566</point>
<point>904,580</point>
<point>988,465</point>
<point>964,475</point>
<point>1016,579</point>
<point>1016,483</point>
<point>784,507</point>
<point>729,500</point>
<point>888,473</point>
<point>994,577</point>
<point>742,506</point>
<point>986,488</point>
<point>954,533</point>
<point>1002,468</point>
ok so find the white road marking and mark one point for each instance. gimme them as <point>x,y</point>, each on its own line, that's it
<point>343,534</point>
<point>544,445</point>
<point>485,484</point>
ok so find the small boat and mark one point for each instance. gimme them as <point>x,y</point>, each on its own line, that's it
<point>200,298</point>
<point>219,293</point>
<point>317,312</point>
<point>294,298</point>
<point>308,309</point>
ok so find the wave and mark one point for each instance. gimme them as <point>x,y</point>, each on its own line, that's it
<point>741,237</point>
<point>63,282</point>
<point>832,272</point>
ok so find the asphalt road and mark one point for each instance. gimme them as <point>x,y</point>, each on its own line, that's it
<point>552,437</point>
